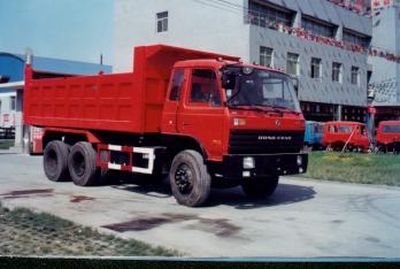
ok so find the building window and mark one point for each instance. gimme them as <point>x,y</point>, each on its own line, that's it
<point>265,15</point>
<point>318,27</point>
<point>315,68</point>
<point>162,21</point>
<point>337,72</point>
<point>355,38</point>
<point>355,75</point>
<point>266,55</point>
<point>292,66</point>
<point>13,104</point>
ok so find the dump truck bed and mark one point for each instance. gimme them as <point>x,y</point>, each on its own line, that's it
<point>126,102</point>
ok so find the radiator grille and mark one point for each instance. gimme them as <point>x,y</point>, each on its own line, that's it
<point>265,142</point>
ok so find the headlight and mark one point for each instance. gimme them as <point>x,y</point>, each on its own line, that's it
<point>239,122</point>
<point>248,163</point>
<point>299,160</point>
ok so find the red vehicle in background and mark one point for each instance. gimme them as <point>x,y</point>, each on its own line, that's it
<point>36,146</point>
<point>388,136</point>
<point>204,119</point>
<point>348,135</point>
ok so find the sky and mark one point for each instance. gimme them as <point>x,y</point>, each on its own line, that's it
<point>77,30</point>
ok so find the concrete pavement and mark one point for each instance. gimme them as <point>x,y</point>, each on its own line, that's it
<point>305,218</point>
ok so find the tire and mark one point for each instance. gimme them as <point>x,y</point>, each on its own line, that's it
<point>338,147</point>
<point>55,161</point>
<point>260,187</point>
<point>189,179</point>
<point>82,164</point>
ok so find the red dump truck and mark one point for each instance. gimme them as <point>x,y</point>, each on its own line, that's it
<point>204,119</point>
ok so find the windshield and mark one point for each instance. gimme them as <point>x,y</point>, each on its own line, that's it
<point>345,129</point>
<point>262,88</point>
<point>391,128</point>
<point>319,128</point>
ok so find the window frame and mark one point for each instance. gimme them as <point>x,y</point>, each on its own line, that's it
<point>313,64</point>
<point>340,72</point>
<point>355,38</point>
<point>266,14</point>
<point>318,27</point>
<point>355,70</point>
<point>13,103</point>
<point>297,63</point>
<point>207,104</point>
<point>266,53</point>
<point>162,21</point>
<point>180,90</point>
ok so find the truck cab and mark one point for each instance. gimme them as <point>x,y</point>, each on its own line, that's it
<point>247,119</point>
<point>313,134</point>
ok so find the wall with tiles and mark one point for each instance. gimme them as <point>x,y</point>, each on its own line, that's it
<point>323,89</point>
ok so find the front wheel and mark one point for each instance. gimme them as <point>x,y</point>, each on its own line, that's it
<point>260,187</point>
<point>189,179</point>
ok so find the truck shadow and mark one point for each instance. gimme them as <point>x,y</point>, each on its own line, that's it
<point>154,188</point>
<point>284,194</point>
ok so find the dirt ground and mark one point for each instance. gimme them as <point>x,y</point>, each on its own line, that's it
<point>304,217</point>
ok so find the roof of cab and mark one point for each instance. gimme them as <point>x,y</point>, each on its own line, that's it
<point>216,63</point>
<point>352,123</point>
<point>390,122</point>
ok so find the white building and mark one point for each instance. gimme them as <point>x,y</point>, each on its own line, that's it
<point>333,79</point>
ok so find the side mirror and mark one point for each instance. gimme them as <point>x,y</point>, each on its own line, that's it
<point>229,80</point>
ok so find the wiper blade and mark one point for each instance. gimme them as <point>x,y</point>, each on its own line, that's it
<point>274,109</point>
<point>286,108</point>
<point>255,108</point>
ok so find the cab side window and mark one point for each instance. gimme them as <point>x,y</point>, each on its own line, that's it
<point>176,85</point>
<point>204,87</point>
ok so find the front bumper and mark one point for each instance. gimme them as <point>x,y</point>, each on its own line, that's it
<point>264,165</point>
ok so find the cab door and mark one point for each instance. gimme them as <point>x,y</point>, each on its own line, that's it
<point>176,89</point>
<point>201,114</point>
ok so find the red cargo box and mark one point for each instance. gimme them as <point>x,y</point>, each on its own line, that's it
<point>127,102</point>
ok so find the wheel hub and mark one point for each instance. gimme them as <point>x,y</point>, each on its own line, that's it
<point>79,164</point>
<point>184,179</point>
<point>51,160</point>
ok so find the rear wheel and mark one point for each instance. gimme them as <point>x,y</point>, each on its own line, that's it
<point>260,187</point>
<point>55,161</point>
<point>82,164</point>
<point>189,178</point>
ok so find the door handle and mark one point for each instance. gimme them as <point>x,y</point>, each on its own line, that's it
<point>185,124</point>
